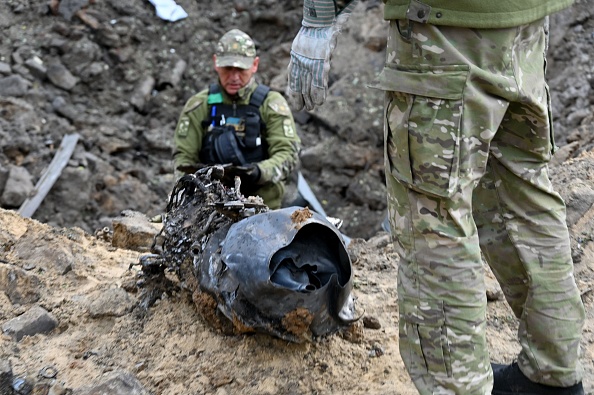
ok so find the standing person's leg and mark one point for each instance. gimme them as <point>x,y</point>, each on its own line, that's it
<point>522,228</point>
<point>442,110</point>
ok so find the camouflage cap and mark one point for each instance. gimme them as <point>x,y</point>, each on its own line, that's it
<point>235,49</point>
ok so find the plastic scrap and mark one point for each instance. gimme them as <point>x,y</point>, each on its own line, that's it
<point>169,10</point>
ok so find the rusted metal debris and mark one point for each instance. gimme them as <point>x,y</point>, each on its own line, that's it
<point>249,269</point>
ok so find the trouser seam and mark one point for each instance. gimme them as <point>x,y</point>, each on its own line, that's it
<point>514,243</point>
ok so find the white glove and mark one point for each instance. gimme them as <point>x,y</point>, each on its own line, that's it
<point>311,52</point>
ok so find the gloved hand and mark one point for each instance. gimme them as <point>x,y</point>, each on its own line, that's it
<point>252,174</point>
<point>311,52</point>
<point>249,174</point>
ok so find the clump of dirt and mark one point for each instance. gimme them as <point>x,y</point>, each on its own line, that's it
<point>297,321</point>
<point>300,216</point>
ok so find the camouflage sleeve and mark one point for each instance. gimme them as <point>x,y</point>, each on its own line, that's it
<point>189,132</point>
<point>281,135</point>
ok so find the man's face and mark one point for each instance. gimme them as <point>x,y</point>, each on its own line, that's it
<point>233,78</point>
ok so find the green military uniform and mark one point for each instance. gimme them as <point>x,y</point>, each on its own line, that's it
<point>468,135</point>
<point>474,14</point>
<point>236,50</point>
<point>281,137</point>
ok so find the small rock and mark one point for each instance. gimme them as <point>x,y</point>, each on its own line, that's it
<point>19,286</point>
<point>113,302</point>
<point>55,257</point>
<point>133,231</point>
<point>16,58</point>
<point>61,77</point>
<point>108,36</point>
<point>36,67</point>
<point>14,85</point>
<point>65,109</point>
<point>142,92</point>
<point>579,199</point>
<point>371,322</point>
<point>5,68</point>
<point>18,187</point>
<point>35,320</point>
<point>376,351</point>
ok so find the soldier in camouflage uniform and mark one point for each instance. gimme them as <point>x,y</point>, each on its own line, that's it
<point>468,135</point>
<point>236,63</point>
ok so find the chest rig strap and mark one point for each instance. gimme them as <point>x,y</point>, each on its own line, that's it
<point>222,143</point>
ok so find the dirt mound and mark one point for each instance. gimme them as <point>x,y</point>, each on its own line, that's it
<point>101,338</point>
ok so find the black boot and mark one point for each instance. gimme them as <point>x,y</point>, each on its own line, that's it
<point>510,380</point>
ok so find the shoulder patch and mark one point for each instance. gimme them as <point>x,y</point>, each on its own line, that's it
<point>288,128</point>
<point>279,105</point>
<point>182,126</point>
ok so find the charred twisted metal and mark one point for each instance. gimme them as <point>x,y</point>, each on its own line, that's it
<point>283,272</point>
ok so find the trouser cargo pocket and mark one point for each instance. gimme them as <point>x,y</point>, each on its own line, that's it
<point>423,337</point>
<point>423,125</point>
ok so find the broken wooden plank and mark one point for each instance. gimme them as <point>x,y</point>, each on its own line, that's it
<point>50,176</point>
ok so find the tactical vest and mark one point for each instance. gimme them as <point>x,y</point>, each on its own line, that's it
<point>234,132</point>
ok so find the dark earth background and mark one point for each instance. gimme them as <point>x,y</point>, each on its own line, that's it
<point>117,75</point>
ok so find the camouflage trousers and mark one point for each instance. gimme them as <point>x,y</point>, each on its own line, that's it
<point>468,136</point>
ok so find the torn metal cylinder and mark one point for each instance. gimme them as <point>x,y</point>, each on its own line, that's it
<point>284,272</point>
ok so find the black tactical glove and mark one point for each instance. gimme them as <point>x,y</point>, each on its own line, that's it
<point>250,175</point>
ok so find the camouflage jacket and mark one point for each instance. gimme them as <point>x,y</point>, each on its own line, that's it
<point>474,14</point>
<point>280,134</point>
